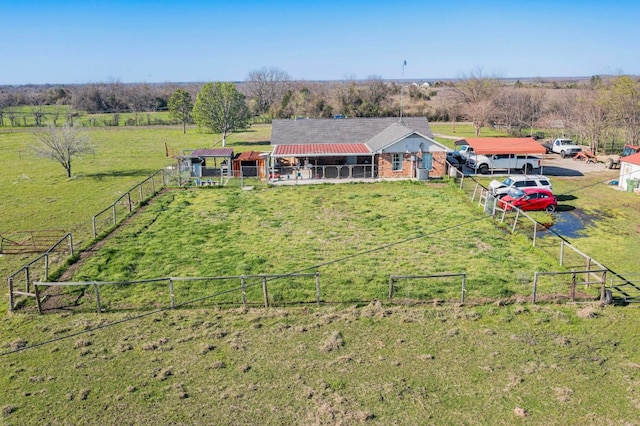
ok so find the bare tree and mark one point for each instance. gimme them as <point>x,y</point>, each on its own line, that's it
<point>266,87</point>
<point>62,144</point>
<point>517,109</point>
<point>476,92</point>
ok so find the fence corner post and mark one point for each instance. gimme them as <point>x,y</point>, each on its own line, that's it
<point>535,287</point>
<point>390,287</point>
<point>318,287</point>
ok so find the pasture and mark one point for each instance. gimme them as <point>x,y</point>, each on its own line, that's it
<point>356,360</point>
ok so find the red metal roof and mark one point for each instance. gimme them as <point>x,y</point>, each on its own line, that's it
<point>249,156</point>
<point>505,146</point>
<point>633,159</point>
<point>318,149</point>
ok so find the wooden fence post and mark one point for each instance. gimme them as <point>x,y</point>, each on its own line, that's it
<point>171,294</point>
<point>10,282</point>
<point>561,252</point>
<point>464,282</point>
<point>535,287</point>
<point>244,291</point>
<point>70,244</point>
<point>515,221</point>
<point>573,285</point>
<point>115,218</point>
<point>535,232</point>
<point>264,291</point>
<point>27,276</point>
<point>318,287</point>
<point>98,305</point>
<point>586,276</point>
<point>603,294</point>
<point>95,228</point>
<point>37,293</point>
<point>390,288</point>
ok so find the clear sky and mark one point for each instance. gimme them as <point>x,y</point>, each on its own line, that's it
<point>148,41</point>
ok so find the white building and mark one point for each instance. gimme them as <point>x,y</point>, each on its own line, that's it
<point>629,169</point>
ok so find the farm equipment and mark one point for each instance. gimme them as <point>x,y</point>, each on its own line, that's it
<point>613,161</point>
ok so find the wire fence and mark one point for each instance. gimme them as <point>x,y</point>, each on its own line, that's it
<point>627,288</point>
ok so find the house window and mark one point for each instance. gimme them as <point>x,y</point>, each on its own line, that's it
<point>427,161</point>
<point>396,162</point>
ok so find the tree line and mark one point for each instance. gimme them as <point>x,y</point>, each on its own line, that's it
<point>595,111</point>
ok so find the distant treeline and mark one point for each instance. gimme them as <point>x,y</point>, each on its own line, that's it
<point>595,110</point>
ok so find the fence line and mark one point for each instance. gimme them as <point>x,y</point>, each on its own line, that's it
<point>602,280</point>
<point>27,269</point>
<point>128,202</point>
<point>394,278</point>
<point>264,278</point>
<point>126,198</point>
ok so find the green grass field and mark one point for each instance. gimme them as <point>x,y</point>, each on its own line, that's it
<point>357,361</point>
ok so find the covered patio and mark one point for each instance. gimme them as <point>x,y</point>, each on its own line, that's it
<point>323,161</point>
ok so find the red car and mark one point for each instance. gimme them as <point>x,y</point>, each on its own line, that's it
<point>529,199</point>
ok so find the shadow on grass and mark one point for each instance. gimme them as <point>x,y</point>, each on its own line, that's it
<point>255,143</point>
<point>565,197</point>
<point>119,173</point>
<point>564,208</point>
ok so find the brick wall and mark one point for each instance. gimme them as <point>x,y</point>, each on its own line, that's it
<point>384,166</point>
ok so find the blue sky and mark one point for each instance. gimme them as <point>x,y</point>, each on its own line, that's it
<point>60,42</point>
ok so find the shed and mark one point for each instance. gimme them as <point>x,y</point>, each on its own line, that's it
<point>629,170</point>
<point>250,164</point>
<point>206,162</point>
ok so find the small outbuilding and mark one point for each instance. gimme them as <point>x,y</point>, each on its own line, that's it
<point>629,172</point>
<point>250,164</point>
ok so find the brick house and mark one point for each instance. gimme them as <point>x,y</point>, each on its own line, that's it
<point>384,148</point>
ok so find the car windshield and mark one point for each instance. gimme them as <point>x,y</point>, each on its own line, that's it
<point>507,181</point>
<point>566,142</point>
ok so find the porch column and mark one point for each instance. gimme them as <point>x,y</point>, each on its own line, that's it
<point>373,156</point>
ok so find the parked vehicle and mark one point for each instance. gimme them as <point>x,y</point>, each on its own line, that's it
<point>501,188</point>
<point>465,152</point>
<point>529,199</point>
<point>613,161</point>
<point>483,164</point>
<point>564,147</point>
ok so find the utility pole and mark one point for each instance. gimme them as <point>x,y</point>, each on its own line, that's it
<point>404,64</point>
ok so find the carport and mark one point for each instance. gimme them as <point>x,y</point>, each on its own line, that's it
<point>500,146</point>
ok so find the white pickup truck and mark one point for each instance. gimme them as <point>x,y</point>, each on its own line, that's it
<point>483,164</point>
<point>564,147</point>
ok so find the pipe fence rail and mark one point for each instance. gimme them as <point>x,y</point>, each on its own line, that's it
<point>127,203</point>
<point>249,286</point>
<point>48,259</point>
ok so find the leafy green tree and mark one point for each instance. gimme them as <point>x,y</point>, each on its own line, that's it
<point>63,144</point>
<point>180,106</point>
<point>220,108</point>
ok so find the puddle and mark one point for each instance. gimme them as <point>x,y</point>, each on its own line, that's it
<point>571,223</point>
